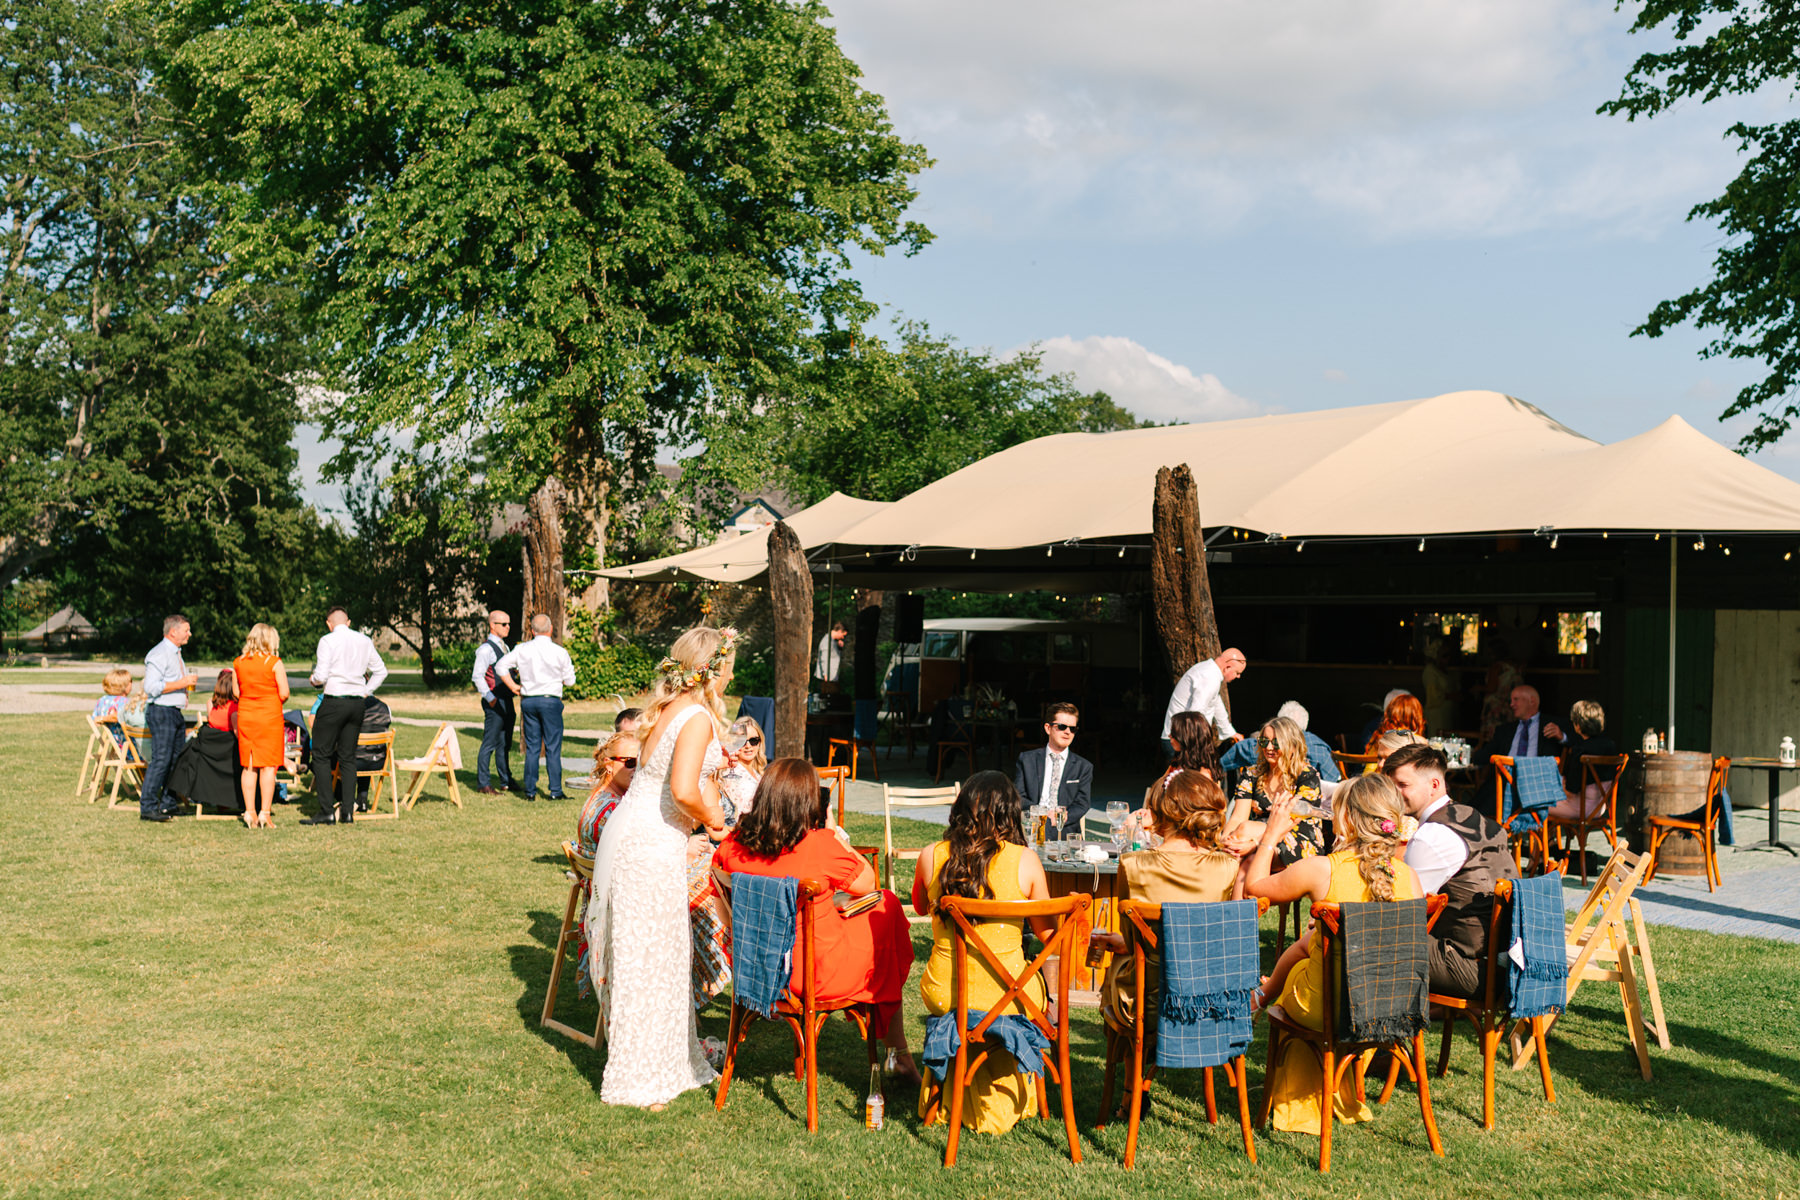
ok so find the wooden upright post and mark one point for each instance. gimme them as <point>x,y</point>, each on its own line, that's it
<point>1181,595</point>
<point>791,598</point>
<point>545,591</point>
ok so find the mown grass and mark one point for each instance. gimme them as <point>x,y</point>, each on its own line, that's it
<point>203,1010</point>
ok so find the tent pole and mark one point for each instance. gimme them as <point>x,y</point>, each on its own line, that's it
<point>1672,572</point>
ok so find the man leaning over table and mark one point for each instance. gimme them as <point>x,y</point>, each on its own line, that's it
<point>346,670</point>
<point>167,682</point>
<point>1198,691</point>
<point>544,669</point>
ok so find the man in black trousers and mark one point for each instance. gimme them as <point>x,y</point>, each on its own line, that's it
<point>346,670</point>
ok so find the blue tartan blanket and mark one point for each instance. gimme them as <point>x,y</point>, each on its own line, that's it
<point>1537,969</point>
<point>1017,1035</point>
<point>1210,970</point>
<point>763,909</point>
<point>1536,786</point>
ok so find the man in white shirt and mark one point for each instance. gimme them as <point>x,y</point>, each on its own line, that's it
<point>1054,774</point>
<point>1459,852</point>
<point>1198,691</point>
<point>830,658</point>
<point>346,670</point>
<point>544,669</point>
<point>497,713</point>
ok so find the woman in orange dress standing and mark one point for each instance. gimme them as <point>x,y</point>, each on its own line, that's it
<point>262,740</point>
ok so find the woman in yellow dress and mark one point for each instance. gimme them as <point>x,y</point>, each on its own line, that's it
<point>983,857</point>
<point>1367,813</point>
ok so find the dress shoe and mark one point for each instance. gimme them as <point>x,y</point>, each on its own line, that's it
<point>362,806</point>
<point>155,816</point>
<point>558,796</point>
<point>321,819</point>
<point>487,791</point>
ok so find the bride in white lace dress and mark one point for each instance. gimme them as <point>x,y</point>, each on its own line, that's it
<point>641,956</point>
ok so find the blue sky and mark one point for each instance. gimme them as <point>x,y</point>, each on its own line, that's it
<point>1215,208</point>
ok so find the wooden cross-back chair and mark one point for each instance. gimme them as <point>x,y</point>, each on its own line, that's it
<point>965,919</point>
<point>1606,819</point>
<point>1525,842</point>
<point>959,736</point>
<point>801,1010</point>
<point>908,797</point>
<point>1601,947</point>
<point>580,876</point>
<point>865,726</point>
<point>836,778</point>
<point>1146,921</point>
<point>1352,765</point>
<point>443,758</point>
<point>1335,1056</point>
<point>1487,1013</point>
<point>128,762</point>
<point>1705,828</point>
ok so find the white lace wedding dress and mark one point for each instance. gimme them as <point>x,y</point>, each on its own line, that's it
<point>641,945</point>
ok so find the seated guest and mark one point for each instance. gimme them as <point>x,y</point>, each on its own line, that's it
<point>1374,726</point>
<point>628,720</point>
<point>1527,735</point>
<point>1282,772</point>
<point>117,688</point>
<point>134,713</point>
<point>863,959</point>
<point>1365,868</point>
<point>1055,774</point>
<point>615,762</point>
<point>1403,713</point>
<point>1242,753</point>
<point>1194,747</point>
<point>1589,722</point>
<point>1459,852</point>
<point>738,780</point>
<point>222,715</point>
<point>743,771</point>
<point>983,857</point>
<point>1191,866</point>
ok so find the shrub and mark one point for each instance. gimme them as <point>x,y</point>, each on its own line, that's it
<point>621,667</point>
<point>453,661</point>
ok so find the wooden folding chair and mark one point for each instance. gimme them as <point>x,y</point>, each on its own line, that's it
<point>98,743</point>
<point>1705,829</point>
<point>1534,840</point>
<point>109,758</point>
<point>1488,1015</point>
<point>129,762</point>
<point>1601,947</point>
<point>444,757</point>
<point>1557,829</point>
<point>384,774</point>
<point>908,797</point>
<point>1335,1057</point>
<point>804,1017</point>
<point>965,918</point>
<point>580,876</point>
<point>1142,915</point>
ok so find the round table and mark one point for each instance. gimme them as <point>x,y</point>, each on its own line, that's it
<point>1774,766</point>
<point>1105,884</point>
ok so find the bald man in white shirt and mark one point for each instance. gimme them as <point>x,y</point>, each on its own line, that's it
<point>346,670</point>
<point>1198,691</point>
<point>544,669</point>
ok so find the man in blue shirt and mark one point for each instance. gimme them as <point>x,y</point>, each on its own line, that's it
<point>1241,754</point>
<point>167,682</point>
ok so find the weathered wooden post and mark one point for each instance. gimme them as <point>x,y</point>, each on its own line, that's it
<point>791,598</point>
<point>1181,595</point>
<point>545,591</point>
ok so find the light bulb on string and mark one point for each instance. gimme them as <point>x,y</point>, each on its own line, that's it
<point>1700,541</point>
<point>1121,552</point>
<point>1553,538</point>
<point>1421,545</point>
<point>1301,546</point>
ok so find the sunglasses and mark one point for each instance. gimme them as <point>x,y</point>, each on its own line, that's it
<point>1263,743</point>
<point>1060,727</point>
<point>629,764</point>
<point>752,741</point>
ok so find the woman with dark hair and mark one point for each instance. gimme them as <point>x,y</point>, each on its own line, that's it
<point>1196,749</point>
<point>983,857</point>
<point>861,959</point>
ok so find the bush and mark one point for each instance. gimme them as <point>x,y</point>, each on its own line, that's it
<point>754,672</point>
<point>453,662</point>
<point>620,667</point>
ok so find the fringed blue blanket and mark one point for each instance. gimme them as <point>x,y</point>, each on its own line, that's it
<point>763,909</point>
<point>1210,970</point>
<point>1537,785</point>
<point>1537,969</point>
<point>1017,1035</point>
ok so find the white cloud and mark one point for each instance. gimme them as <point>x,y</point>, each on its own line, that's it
<point>1397,118</point>
<point>1141,380</point>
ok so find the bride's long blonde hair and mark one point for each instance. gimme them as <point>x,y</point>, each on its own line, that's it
<point>692,668</point>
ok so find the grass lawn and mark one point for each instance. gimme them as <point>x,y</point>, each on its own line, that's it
<point>203,1010</point>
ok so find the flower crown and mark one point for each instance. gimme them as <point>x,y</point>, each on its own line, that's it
<point>684,680</point>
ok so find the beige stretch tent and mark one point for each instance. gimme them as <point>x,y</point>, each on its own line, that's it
<point>742,558</point>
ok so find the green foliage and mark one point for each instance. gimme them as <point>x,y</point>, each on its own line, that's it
<point>620,667</point>
<point>923,409</point>
<point>585,228</point>
<point>753,674</point>
<point>453,662</point>
<point>1727,47</point>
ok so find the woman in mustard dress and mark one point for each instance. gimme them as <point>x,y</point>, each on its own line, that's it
<point>262,738</point>
<point>983,857</point>
<point>1366,866</point>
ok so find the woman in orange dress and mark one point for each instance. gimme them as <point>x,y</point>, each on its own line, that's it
<point>262,741</point>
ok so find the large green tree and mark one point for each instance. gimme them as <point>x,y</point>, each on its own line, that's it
<point>145,413</point>
<point>1752,302</point>
<point>587,228</point>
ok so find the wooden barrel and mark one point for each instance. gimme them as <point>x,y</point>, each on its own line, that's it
<point>1675,785</point>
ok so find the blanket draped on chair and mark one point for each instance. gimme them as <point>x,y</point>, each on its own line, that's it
<point>1537,968</point>
<point>1536,786</point>
<point>763,930</point>
<point>1018,1035</point>
<point>1210,971</point>
<point>206,773</point>
<point>1385,961</point>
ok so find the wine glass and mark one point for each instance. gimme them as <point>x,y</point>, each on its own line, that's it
<point>1118,815</point>
<point>737,736</point>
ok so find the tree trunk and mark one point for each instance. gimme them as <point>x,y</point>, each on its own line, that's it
<point>791,598</point>
<point>591,501</point>
<point>867,633</point>
<point>427,667</point>
<point>544,588</point>
<point>1181,595</point>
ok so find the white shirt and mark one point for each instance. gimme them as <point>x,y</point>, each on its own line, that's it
<point>1198,691</point>
<point>346,664</point>
<point>545,668</point>
<point>486,655</point>
<point>1435,852</point>
<point>1055,762</point>
<point>830,658</point>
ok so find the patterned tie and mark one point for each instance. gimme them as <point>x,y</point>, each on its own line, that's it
<point>1522,739</point>
<point>1054,783</point>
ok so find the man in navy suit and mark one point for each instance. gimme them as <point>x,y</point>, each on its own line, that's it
<point>1054,772</point>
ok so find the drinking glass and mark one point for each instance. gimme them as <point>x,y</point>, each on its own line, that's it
<point>737,736</point>
<point>1118,816</point>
